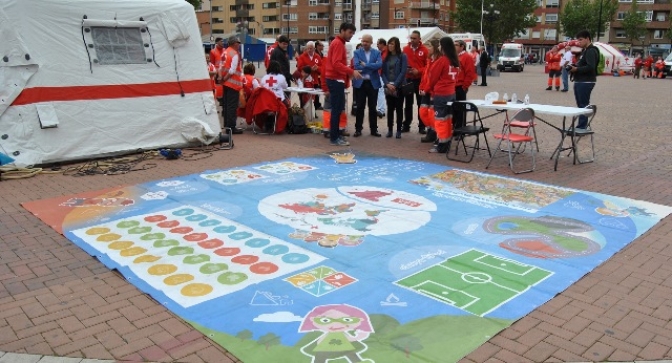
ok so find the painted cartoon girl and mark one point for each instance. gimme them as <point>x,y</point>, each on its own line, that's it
<point>343,329</point>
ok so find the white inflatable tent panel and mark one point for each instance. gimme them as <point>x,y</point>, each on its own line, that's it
<point>81,79</point>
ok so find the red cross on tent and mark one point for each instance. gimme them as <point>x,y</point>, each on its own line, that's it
<point>271,81</point>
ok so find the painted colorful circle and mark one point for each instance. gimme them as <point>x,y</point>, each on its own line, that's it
<point>182,230</point>
<point>97,230</point>
<point>276,250</point>
<point>295,258</point>
<point>245,259</point>
<point>196,217</point>
<point>146,258</point>
<point>152,236</point>
<point>108,237</point>
<point>169,224</point>
<point>231,278</point>
<point>140,230</point>
<point>183,212</point>
<point>128,224</point>
<point>227,251</point>
<point>210,223</point>
<point>240,235</point>
<point>211,243</point>
<point>257,242</point>
<point>195,237</point>
<point>162,269</point>
<point>133,251</point>
<point>166,243</point>
<point>120,245</point>
<point>211,268</point>
<point>264,268</point>
<point>196,290</point>
<point>349,210</point>
<point>173,280</point>
<point>155,218</point>
<point>225,229</point>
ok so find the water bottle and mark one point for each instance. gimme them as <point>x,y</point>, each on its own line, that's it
<point>514,98</point>
<point>506,97</point>
<point>527,99</point>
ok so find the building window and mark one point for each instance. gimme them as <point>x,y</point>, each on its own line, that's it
<point>312,16</point>
<point>551,18</point>
<point>538,18</point>
<point>270,18</point>
<point>338,16</point>
<point>312,2</point>
<point>648,15</point>
<point>399,15</point>
<point>536,34</point>
<point>552,3</point>
<point>624,1</point>
<point>524,35</point>
<point>645,1</point>
<point>338,3</point>
<point>292,17</point>
<point>620,15</point>
<point>118,45</point>
<point>658,34</point>
<point>292,30</point>
<point>549,34</point>
<point>619,33</point>
<point>269,5</point>
<point>375,15</point>
<point>398,1</point>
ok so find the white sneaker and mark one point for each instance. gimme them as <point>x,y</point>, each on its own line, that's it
<point>340,142</point>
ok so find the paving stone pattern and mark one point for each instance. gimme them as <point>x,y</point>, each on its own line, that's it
<point>56,300</point>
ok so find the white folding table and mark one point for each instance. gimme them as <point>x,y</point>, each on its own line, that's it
<point>564,111</point>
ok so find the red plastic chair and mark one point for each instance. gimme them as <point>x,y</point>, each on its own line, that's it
<point>514,141</point>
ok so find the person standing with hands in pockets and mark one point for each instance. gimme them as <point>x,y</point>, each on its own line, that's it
<point>367,60</point>
<point>337,72</point>
<point>585,74</point>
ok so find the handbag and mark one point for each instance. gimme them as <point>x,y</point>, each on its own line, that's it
<point>407,89</point>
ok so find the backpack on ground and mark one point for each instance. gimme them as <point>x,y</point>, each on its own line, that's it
<point>297,121</point>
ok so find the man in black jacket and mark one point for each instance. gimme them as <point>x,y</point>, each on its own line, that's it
<point>484,63</point>
<point>585,73</point>
<point>281,56</point>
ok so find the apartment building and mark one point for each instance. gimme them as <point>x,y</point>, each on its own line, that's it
<point>657,13</point>
<point>546,32</point>
<point>305,20</point>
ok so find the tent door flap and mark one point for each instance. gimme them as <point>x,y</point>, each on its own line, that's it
<point>47,116</point>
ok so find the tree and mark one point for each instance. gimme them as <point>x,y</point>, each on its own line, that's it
<point>585,14</point>
<point>244,335</point>
<point>514,17</point>
<point>195,3</point>
<point>634,24</point>
<point>269,339</point>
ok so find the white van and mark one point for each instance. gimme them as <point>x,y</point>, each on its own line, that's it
<point>668,66</point>
<point>472,40</point>
<point>511,57</point>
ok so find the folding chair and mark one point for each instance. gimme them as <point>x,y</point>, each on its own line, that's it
<point>524,118</point>
<point>463,129</point>
<point>578,134</point>
<point>265,112</point>
<point>522,125</point>
<point>268,120</point>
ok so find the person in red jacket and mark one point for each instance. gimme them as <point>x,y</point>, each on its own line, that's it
<point>326,110</point>
<point>553,58</point>
<point>442,81</point>
<point>309,57</point>
<point>269,50</point>
<point>659,68</point>
<point>336,72</point>
<point>465,77</point>
<point>638,66</point>
<point>426,108</point>
<point>417,54</point>
<point>217,54</point>
<point>647,66</point>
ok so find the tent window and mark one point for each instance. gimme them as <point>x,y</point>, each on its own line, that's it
<point>118,45</point>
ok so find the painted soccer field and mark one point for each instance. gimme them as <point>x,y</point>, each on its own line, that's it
<point>306,260</point>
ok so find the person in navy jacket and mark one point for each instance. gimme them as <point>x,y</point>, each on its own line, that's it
<point>368,61</point>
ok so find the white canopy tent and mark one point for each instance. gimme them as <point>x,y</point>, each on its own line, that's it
<point>80,79</point>
<point>426,34</point>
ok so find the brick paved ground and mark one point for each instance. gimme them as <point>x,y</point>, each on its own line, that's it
<point>57,300</point>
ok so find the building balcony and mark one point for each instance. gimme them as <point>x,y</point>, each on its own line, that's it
<point>423,21</point>
<point>425,5</point>
<point>347,6</point>
<point>366,6</point>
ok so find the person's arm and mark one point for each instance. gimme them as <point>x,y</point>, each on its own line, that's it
<point>384,74</point>
<point>435,75</point>
<point>469,74</point>
<point>335,59</point>
<point>592,57</point>
<point>375,62</point>
<point>402,73</point>
<point>357,61</point>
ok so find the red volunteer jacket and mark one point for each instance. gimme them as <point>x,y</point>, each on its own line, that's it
<point>467,73</point>
<point>337,61</point>
<point>443,77</point>
<point>304,60</point>
<point>267,57</point>
<point>416,59</point>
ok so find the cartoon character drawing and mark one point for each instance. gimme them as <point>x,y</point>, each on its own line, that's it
<point>343,329</point>
<point>98,202</point>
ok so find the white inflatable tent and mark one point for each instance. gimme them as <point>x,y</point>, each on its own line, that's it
<point>86,78</point>
<point>613,59</point>
<point>426,34</point>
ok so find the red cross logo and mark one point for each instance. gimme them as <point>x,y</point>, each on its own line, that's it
<point>271,81</point>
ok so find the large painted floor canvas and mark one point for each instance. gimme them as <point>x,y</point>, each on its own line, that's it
<point>375,260</point>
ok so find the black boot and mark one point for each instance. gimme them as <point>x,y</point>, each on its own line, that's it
<point>440,148</point>
<point>430,137</point>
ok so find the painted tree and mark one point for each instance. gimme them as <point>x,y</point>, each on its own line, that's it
<point>634,24</point>
<point>407,344</point>
<point>514,18</point>
<point>269,340</point>
<point>244,335</point>
<point>585,14</point>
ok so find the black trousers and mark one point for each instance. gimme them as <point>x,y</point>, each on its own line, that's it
<point>316,98</point>
<point>458,116</point>
<point>484,75</point>
<point>395,106</point>
<point>229,106</point>
<point>408,107</point>
<point>367,95</point>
